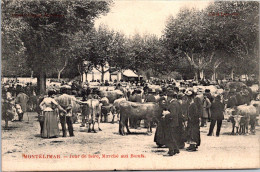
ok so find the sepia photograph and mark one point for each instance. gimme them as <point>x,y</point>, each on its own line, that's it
<point>92,85</point>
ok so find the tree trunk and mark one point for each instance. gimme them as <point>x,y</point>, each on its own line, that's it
<point>232,74</point>
<point>102,74</point>
<point>41,83</point>
<point>202,74</point>
<point>59,73</point>
<point>196,76</point>
<point>214,75</point>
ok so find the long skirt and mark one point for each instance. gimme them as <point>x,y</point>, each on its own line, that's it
<point>193,133</point>
<point>159,137</point>
<point>50,125</point>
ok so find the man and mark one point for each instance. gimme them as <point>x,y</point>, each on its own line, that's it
<point>232,100</point>
<point>22,99</point>
<point>206,110</point>
<point>65,101</point>
<point>84,112</point>
<point>239,97</point>
<point>146,88</point>
<point>39,111</point>
<point>246,95</point>
<point>193,127</point>
<point>181,119</point>
<point>151,96</point>
<point>217,115</point>
<point>172,123</point>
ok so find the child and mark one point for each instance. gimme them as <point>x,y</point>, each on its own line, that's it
<point>19,112</point>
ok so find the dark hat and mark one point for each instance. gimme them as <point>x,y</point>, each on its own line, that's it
<point>138,91</point>
<point>176,88</point>
<point>207,90</point>
<point>51,92</point>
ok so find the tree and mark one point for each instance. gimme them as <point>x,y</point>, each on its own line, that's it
<point>237,24</point>
<point>189,36</point>
<point>100,50</point>
<point>49,23</point>
<point>227,28</point>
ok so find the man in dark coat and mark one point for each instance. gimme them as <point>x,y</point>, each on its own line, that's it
<point>239,97</point>
<point>171,125</point>
<point>232,100</point>
<point>180,128</point>
<point>217,115</point>
<point>193,127</point>
<point>22,99</point>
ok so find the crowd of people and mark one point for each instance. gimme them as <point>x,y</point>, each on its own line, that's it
<point>185,110</point>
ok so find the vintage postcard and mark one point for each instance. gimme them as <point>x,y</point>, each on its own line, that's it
<point>129,85</point>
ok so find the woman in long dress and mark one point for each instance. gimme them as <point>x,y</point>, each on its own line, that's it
<point>50,124</point>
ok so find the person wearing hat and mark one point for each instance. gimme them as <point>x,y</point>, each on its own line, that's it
<point>206,110</point>
<point>232,100</point>
<point>209,96</point>
<point>172,123</point>
<point>193,127</point>
<point>151,96</point>
<point>239,97</point>
<point>22,99</point>
<point>181,128</point>
<point>246,95</point>
<point>65,102</point>
<point>50,126</point>
<point>217,115</point>
<point>146,89</point>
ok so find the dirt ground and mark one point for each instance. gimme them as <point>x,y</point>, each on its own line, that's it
<point>109,150</point>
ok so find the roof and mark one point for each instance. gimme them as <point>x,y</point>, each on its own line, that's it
<point>129,73</point>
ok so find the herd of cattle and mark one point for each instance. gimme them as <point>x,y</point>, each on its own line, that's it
<point>111,101</point>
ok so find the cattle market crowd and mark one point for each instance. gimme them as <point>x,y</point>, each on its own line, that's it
<point>176,108</point>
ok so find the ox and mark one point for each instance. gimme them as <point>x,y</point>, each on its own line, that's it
<point>93,112</point>
<point>111,95</point>
<point>241,117</point>
<point>116,107</point>
<point>148,111</point>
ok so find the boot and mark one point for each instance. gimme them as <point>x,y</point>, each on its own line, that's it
<point>171,153</point>
<point>191,148</point>
<point>176,151</point>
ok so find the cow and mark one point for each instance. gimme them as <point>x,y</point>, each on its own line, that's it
<point>93,112</point>
<point>105,111</point>
<point>116,108</point>
<point>234,119</point>
<point>245,111</point>
<point>148,111</point>
<point>111,95</point>
<point>241,116</point>
<point>76,109</point>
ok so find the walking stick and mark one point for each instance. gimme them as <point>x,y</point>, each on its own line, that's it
<point>27,116</point>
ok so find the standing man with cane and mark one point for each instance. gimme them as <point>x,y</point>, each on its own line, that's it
<point>65,101</point>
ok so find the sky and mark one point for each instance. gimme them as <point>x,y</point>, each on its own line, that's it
<point>141,16</point>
